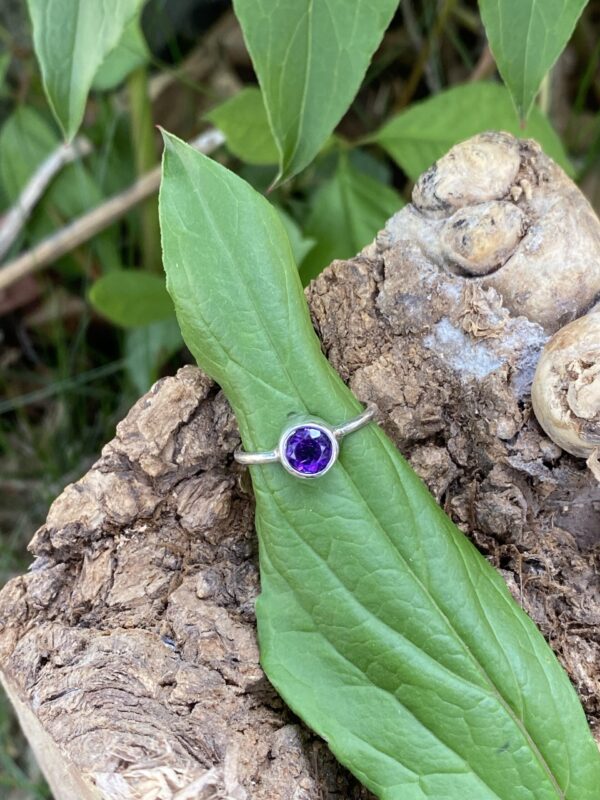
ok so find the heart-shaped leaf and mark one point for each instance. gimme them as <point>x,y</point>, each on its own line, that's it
<point>310,57</point>
<point>71,39</point>
<point>526,37</point>
<point>379,622</point>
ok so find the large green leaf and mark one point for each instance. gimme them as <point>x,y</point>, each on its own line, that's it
<point>244,122</point>
<point>418,136</point>
<point>379,622</point>
<point>347,212</point>
<point>310,57</point>
<point>131,298</point>
<point>526,37</point>
<point>71,39</point>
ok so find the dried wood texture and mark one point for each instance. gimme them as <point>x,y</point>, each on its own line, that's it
<point>129,649</point>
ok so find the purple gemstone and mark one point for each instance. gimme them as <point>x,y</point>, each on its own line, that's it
<point>308,450</point>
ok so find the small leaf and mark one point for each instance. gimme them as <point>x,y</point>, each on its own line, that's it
<point>71,40</point>
<point>347,211</point>
<point>148,348</point>
<point>131,298</point>
<point>131,52</point>
<point>5,59</point>
<point>244,122</point>
<point>379,622</point>
<point>301,245</point>
<point>420,135</point>
<point>310,57</point>
<point>526,38</point>
<point>26,139</point>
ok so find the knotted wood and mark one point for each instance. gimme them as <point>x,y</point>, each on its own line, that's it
<point>129,650</point>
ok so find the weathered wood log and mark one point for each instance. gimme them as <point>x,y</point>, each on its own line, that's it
<point>128,650</point>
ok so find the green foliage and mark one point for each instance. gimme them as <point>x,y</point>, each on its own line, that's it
<point>418,136</point>
<point>148,348</point>
<point>244,122</point>
<point>379,622</point>
<point>301,245</point>
<point>5,59</point>
<point>526,37</point>
<point>346,212</point>
<point>131,53</point>
<point>72,38</point>
<point>26,139</point>
<point>14,781</point>
<point>131,298</point>
<point>310,57</point>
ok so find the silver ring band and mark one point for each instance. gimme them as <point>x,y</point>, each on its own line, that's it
<point>309,447</point>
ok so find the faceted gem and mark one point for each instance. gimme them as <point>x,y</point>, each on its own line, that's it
<point>308,450</point>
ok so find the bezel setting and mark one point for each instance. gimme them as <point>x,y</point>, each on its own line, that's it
<point>305,459</point>
<point>290,431</point>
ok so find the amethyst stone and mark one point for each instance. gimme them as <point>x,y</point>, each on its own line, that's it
<point>309,450</point>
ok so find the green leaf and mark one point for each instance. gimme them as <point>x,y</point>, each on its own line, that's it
<point>131,52</point>
<point>244,122</point>
<point>130,298</point>
<point>526,38</point>
<point>347,211</point>
<point>301,245</point>
<point>310,57</point>
<point>5,59</point>
<point>26,140</point>
<point>379,623</point>
<point>420,135</point>
<point>71,40</point>
<point>148,348</point>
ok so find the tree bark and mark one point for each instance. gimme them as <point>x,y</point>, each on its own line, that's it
<point>129,651</point>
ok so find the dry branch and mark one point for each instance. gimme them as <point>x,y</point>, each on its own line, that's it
<point>14,220</point>
<point>89,225</point>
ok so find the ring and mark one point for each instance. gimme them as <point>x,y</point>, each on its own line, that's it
<point>309,447</point>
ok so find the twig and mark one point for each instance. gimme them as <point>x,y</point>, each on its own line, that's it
<point>100,218</point>
<point>484,67</point>
<point>14,220</point>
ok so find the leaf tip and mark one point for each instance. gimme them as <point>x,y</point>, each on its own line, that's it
<point>166,136</point>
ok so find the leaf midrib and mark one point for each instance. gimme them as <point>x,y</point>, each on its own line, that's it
<point>303,101</point>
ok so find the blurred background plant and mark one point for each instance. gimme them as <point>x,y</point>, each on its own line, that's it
<point>86,325</point>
